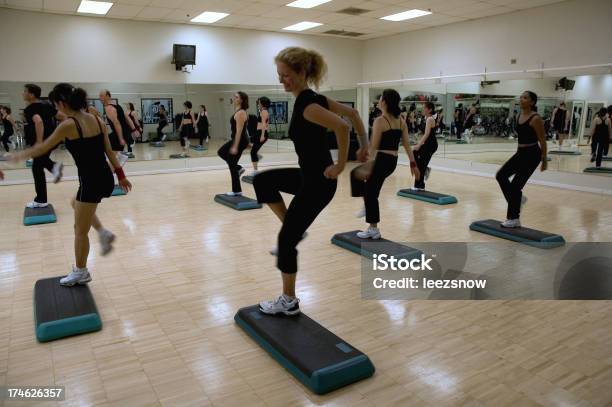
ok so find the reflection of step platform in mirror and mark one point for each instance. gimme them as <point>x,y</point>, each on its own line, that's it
<point>600,170</point>
<point>524,235</point>
<point>198,147</point>
<point>118,191</point>
<point>248,179</point>
<point>427,196</point>
<point>29,163</point>
<point>157,144</point>
<point>606,158</point>
<point>179,156</point>
<point>319,359</point>
<point>39,216</point>
<point>370,247</point>
<point>239,202</point>
<point>129,155</point>
<point>63,311</point>
<point>565,152</point>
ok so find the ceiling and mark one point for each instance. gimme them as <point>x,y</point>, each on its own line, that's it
<point>272,15</point>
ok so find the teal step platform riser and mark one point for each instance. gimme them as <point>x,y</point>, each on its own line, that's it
<point>118,191</point>
<point>39,220</point>
<point>547,243</point>
<point>50,331</point>
<point>324,380</point>
<point>445,200</point>
<point>601,170</point>
<point>240,206</point>
<point>564,152</point>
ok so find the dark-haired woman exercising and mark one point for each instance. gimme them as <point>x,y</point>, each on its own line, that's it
<point>260,138</point>
<point>531,151</point>
<point>87,141</point>
<point>231,151</point>
<point>186,129</point>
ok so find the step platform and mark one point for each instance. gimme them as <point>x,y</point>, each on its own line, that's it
<point>118,191</point>
<point>158,144</point>
<point>606,158</point>
<point>350,241</point>
<point>315,356</point>
<point>239,203</point>
<point>428,196</point>
<point>29,163</point>
<point>179,156</point>
<point>524,235</point>
<point>198,148</point>
<point>565,152</point>
<point>39,216</point>
<point>63,311</point>
<point>248,179</point>
<point>600,170</point>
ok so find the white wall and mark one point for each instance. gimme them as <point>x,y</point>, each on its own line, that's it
<point>569,33</point>
<point>53,48</point>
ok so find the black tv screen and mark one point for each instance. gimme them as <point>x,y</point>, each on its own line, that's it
<point>184,54</point>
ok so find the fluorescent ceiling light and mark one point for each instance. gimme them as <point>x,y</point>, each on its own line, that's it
<point>304,25</point>
<point>94,7</point>
<point>406,15</point>
<point>209,17</point>
<point>307,3</point>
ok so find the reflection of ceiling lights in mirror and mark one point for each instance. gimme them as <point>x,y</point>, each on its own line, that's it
<point>406,15</point>
<point>94,7</point>
<point>307,3</point>
<point>209,17</point>
<point>304,25</point>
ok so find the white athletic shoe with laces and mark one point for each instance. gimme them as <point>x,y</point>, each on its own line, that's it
<point>281,305</point>
<point>58,171</point>
<point>369,233</point>
<point>76,277</point>
<point>511,223</point>
<point>106,241</point>
<point>34,205</point>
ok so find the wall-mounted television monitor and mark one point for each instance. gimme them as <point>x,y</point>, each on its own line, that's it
<point>183,55</point>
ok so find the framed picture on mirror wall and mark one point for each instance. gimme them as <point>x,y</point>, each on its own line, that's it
<point>150,109</point>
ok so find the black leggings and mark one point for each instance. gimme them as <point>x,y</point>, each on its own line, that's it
<point>129,140</point>
<point>522,164</point>
<point>312,194</point>
<point>39,164</point>
<point>458,129</point>
<point>203,133</point>
<point>232,161</point>
<point>160,127</point>
<point>5,140</point>
<point>600,146</point>
<point>186,132</point>
<point>422,158</point>
<point>384,166</point>
<point>257,144</point>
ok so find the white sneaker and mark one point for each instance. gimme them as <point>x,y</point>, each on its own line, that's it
<point>233,193</point>
<point>415,189</point>
<point>361,213</point>
<point>76,277</point>
<point>164,137</point>
<point>282,305</point>
<point>254,173</point>
<point>274,250</point>
<point>58,171</point>
<point>34,205</point>
<point>427,172</point>
<point>370,233</point>
<point>106,241</point>
<point>511,223</point>
<point>523,200</point>
<point>122,159</point>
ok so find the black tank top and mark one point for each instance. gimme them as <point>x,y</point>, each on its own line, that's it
<point>8,127</point>
<point>601,130</point>
<point>203,122</point>
<point>432,136</point>
<point>233,126</point>
<point>526,133</point>
<point>121,117</point>
<point>187,115</point>
<point>89,154</point>
<point>310,139</point>
<point>559,122</point>
<point>390,139</point>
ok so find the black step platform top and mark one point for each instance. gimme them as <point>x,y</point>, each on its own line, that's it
<point>522,234</point>
<point>368,247</point>
<point>239,202</point>
<point>55,302</point>
<point>46,211</point>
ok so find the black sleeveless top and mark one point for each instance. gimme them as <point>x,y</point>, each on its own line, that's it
<point>125,128</point>
<point>309,139</point>
<point>432,136</point>
<point>601,130</point>
<point>526,133</point>
<point>8,127</point>
<point>390,139</point>
<point>203,122</point>
<point>187,115</point>
<point>89,154</point>
<point>559,122</point>
<point>233,127</point>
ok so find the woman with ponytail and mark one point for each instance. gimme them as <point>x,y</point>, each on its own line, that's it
<point>530,152</point>
<point>313,184</point>
<point>87,141</point>
<point>367,180</point>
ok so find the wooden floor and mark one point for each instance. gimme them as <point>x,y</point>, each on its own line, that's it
<point>183,265</point>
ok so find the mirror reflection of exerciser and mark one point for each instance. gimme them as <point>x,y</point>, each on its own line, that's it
<point>150,115</point>
<point>279,114</point>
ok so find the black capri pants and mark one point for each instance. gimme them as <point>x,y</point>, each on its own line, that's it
<point>384,165</point>
<point>257,144</point>
<point>312,193</point>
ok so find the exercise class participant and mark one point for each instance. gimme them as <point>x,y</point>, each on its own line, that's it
<point>426,147</point>
<point>39,125</point>
<point>9,125</point>
<point>186,129</point>
<point>314,182</point>
<point>560,122</point>
<point>161,123</point>
<point>367,180</point>
<point>459,119</point>
<point>601,134</point>
<point>87,141</point>
<point>261,136</point>
<point>231,151</point>
<point>120,134</point>
<point>202,125</point>
<point>531,150</point>
<point>470,119</point>
<point>133,116</point>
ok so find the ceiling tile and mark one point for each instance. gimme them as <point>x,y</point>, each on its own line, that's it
<point>133,2</point>
<point>69,6</point>
<point>27,4</point>
<point>153,13</point>
<point>124,11</point>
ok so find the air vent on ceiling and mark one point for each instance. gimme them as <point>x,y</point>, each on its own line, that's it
<point>343,33</point>
<point>353,11</point>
